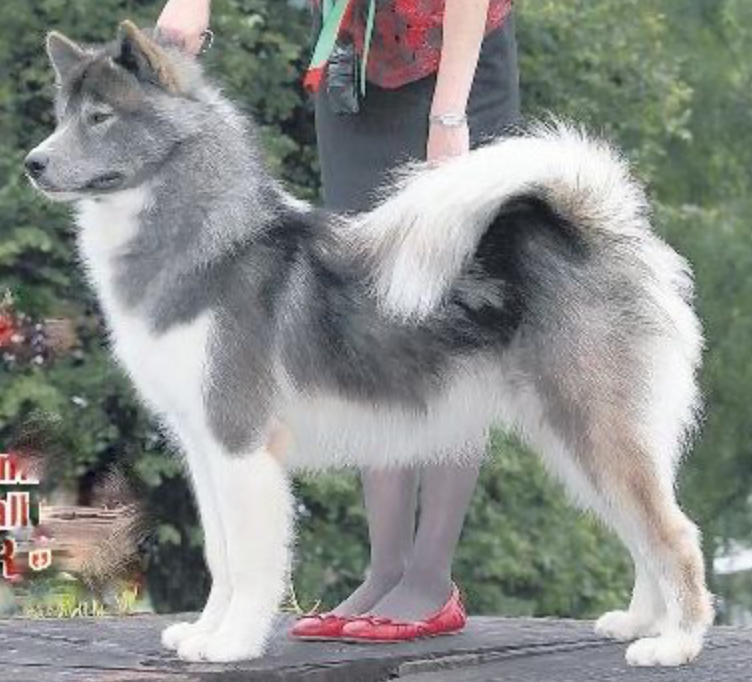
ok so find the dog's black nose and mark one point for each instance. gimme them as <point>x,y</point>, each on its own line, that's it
<point>36,163</point>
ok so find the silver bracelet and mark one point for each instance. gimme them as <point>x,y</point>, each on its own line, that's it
<point>449,120</point>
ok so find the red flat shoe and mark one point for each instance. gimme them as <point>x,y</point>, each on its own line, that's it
<point>449,620</point>
<point>320,626</point>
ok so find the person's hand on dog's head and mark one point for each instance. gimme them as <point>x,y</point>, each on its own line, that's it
<point>185,23</point>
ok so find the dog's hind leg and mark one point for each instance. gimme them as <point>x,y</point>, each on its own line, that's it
<point>639,503</point>
<point>255,506</point>
<point>615,460</point>
<point>669,548</point>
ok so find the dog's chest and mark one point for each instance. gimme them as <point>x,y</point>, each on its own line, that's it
<point>168,369</point>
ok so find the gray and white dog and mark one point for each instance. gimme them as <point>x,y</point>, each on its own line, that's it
<point>519,286</point>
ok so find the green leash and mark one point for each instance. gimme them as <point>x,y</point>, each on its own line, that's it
<point>367,45</point>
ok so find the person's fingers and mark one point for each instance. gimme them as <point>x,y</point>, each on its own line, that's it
<point>194,44</point>
<point>189,42</point>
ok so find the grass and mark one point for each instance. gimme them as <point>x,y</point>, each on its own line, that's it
<point>67,598</point>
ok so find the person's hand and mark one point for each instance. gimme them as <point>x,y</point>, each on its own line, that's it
<point>445,142</point>
<point>184,23</point>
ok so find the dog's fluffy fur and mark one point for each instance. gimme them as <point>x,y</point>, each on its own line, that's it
<point>519,286</point>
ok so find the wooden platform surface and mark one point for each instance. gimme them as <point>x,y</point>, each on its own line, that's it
<point>522,650</point>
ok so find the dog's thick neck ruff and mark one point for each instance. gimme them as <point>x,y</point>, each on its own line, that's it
<point>167,239</point>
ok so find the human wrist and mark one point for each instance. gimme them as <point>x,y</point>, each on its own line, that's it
<point>448,99</point>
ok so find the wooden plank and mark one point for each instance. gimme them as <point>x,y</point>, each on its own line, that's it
<point>724,660</point>
<point>524,650</point>
<point>133,644</point>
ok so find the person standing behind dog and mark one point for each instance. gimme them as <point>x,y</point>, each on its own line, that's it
<point>398,80</point>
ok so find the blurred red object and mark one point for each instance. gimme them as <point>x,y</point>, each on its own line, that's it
<point>7,330</point>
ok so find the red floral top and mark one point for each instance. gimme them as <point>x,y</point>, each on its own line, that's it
<point>407,36</point>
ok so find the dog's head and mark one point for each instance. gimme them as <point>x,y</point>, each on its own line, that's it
<point>121,109</point>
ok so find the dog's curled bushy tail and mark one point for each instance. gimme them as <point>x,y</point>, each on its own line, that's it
<point>630,290</point>
<point>431,220</point>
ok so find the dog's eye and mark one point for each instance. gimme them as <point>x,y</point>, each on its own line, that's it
<point>99,117</point>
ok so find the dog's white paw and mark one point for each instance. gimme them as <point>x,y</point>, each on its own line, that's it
<point>173,635</point>
<point>209,621</point>
<point>218,648</point>
<point>234,640</point>
<point>192,647</point>
<point>228,650</point>
<point>669,649</point>
<point>625,626</point>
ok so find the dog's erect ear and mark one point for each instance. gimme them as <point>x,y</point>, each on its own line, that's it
<point>64,54</point>
<point>140,55</point>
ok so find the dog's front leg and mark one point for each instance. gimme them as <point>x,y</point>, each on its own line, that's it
<point>207,501</point>
<point>255,506</point>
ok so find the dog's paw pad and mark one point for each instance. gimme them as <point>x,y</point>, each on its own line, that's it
<point>624,626</point>
<point>666,650</point>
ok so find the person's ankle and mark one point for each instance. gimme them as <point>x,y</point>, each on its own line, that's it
<point>429,580</point>
<point>385,577</point>
<point>373,588</point>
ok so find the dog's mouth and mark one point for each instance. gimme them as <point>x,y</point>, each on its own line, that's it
<point>105,182</point>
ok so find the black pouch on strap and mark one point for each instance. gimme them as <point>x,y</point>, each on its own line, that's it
<point>342,79</point>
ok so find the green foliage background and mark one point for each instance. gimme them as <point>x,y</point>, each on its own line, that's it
<point>668,81</point>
